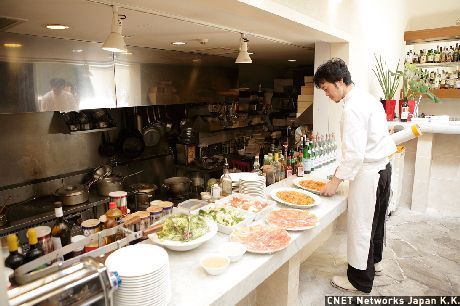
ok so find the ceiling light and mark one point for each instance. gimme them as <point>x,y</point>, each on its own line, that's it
<point>56,26</point>
<point>12,45</point>
<point>250,53</point>
<point>77,50</point>
<point>179,43</point>
<point>243,55</point>
<point>196,60</point>
<point>115,42</point>
<point>292,60</point>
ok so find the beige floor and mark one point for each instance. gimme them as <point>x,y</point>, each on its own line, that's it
<point>422,257</point>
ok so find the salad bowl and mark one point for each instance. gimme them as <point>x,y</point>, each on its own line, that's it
<point>186,245</point>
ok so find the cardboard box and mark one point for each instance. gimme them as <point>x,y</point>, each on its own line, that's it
<point>308,79</point>
<point>305,98</point>
<point>306,90</point>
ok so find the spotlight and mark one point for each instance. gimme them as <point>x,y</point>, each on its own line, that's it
<point>243,55</point>
<point>115,42</point>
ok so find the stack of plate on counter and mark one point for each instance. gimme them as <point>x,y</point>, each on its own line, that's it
<point>253,185</point>
<point>144,273</point>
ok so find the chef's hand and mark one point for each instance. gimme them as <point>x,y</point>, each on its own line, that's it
<point>331,187</point>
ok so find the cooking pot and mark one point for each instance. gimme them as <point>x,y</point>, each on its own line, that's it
<point>72,194</point>
<point>143,194</point>
<point>107,184</point>
<point>178,185</point>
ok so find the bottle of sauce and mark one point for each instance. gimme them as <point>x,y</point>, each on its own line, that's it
<point>114,216</point>
<point>35,249</point>
<point>404,111</point>
<point>15,259</point>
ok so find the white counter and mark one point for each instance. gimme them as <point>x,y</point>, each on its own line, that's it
<point>449,127</point>
<point>192,286</point>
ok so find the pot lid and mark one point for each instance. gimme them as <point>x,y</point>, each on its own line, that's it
<point>71,190</point>
<point>145,188</point>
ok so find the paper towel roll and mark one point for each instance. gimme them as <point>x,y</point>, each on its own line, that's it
<point>407,134</point>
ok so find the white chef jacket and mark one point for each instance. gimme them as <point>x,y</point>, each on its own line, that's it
<point>364,134</point>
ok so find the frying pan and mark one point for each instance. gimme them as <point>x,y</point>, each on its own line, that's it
<point>150,133</point>
<point>130,140</point>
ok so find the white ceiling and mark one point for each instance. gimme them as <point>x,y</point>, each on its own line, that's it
<point>155,24</point>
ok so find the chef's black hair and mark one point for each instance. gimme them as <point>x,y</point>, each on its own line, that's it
<point>332,71</point>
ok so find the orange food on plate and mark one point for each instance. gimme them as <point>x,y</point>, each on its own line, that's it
<point>295,197</point>
<point>312,185</point>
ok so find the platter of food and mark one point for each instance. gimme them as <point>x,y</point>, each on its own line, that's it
<point>261,238</point>
<point>313,185</point>
<point>226,217</point>
<point>292,219</point>
<point>256,205</point>
<point>184,232</point>
<point>294,197</point>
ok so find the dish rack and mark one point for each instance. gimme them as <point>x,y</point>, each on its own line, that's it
<point>29,272</point>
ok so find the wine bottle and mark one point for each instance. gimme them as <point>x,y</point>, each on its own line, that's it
<point>60,232</point>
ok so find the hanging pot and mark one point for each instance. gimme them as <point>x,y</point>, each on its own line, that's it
<point>108,184</point>
<point>177,185</point>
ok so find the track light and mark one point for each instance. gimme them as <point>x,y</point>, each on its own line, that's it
<point>243,55</point>
<point>115,42</point>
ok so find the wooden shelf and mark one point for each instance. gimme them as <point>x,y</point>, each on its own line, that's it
<point>434,65</point>
<point>450,93</point>
<point>428,35</point>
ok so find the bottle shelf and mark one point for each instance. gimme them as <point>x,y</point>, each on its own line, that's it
<point>432,35</point>
<point>435,65</point>
<point>451,93</point>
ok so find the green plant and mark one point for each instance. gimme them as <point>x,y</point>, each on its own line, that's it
<point>414,84</point>
<point>388,81</point>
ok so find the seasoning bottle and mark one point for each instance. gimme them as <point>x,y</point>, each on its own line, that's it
<point>35,249</point>
<point>114,216</point>
<point>60,232</point>
<point>15,259</point>
<point>226,181</point>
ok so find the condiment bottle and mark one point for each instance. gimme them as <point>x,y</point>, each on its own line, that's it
<point>35,249</point>
<point>113,215</point>
<point>15,259</point>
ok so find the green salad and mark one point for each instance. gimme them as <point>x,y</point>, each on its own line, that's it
<point>176,228</point>
<point>222,215</point>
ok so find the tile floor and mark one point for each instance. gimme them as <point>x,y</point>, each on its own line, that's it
<point>422,257</point>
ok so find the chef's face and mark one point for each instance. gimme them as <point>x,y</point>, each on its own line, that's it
<point>335,91</point>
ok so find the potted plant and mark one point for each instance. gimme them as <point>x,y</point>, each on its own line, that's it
<point>389,83</point>
<point>414,87</point>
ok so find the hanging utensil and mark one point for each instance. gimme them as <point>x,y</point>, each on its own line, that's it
<point>151,133</point>
<point>167,121</point>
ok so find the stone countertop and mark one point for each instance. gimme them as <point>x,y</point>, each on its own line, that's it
<point>191,285</point>
<point>437,127</point>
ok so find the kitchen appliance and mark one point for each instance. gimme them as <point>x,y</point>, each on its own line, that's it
<point>177,186</point>
<point>72,194</point>
<point>143,195</point>
<point>83,283</point>
<point>186,153</point>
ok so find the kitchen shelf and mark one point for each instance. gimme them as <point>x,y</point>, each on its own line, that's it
<point>93,130</point>
<point>434,65</point>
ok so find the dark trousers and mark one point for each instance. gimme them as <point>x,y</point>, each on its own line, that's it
<point>363,279</point>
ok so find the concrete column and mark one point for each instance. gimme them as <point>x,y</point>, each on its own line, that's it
<point>422,172</point>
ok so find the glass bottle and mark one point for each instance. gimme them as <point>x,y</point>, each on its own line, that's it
<point>15,259</point>
<point>429,56</point>
<point>114,216</point>
<point>422,57</point>
<point>449,56</point>
<point>256,165</point>
<point>60,232</point>
<point>277,167</point>
<point>288,168</point>
<point>226,181</point>
<point>443,55</point>
<point>306,157</point>
<point>35,249</point>
<point>455,56</point>
<point>437,55</point>
<point>415,58</point>
<point>299,165</point>
<point>404,111</point>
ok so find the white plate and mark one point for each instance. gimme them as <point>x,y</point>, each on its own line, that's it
<point>237,176</point>
<point>299,228</point>
<point>225,229</point>
<point>186,245</point>
<point>149,258</point>
<point>299,179</point>
<point>314,196</point>
<point>257,215</point>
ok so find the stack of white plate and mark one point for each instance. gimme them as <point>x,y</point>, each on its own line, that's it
<point>253,185</point>
<point>144,273</point>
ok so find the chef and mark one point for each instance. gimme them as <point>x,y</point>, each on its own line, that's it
<point>364,162</point>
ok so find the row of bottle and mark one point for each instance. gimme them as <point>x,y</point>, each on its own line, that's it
<point>60,237</point>
<point>443,79</point>
<point>312,153</point>
<point>440,55</point>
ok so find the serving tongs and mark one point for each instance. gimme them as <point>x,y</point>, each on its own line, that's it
<point>188,226</point>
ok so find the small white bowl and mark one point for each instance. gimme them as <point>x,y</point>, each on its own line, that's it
<point>233,250</point>
<point>215,264</point>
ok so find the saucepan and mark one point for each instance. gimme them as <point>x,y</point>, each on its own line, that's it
<point>107,184</point>
<point>178,185</point>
